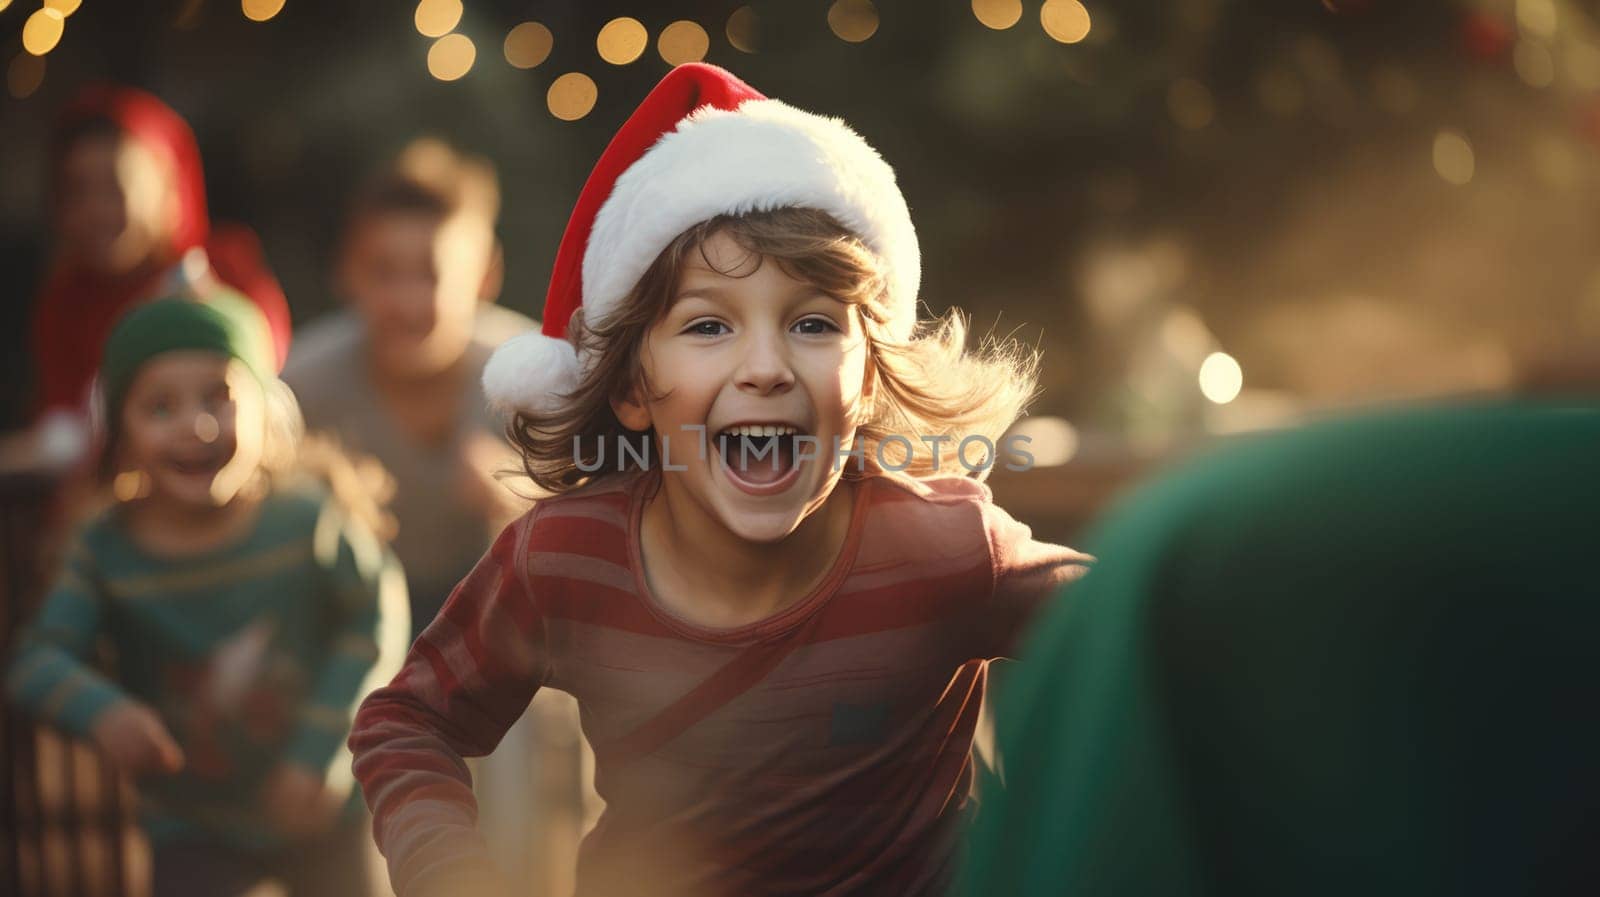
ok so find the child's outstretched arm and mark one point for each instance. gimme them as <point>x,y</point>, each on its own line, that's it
<point>51,679</point>
<point>467,679</point>
<point>1027,574</point>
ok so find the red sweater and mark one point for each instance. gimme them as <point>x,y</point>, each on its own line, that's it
<point>823,750</point>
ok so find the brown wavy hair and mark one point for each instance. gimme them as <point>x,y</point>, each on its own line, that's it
<point>929,385</point>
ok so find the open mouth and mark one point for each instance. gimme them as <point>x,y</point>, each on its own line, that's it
<point>195,467</point>
<point>761,459</point>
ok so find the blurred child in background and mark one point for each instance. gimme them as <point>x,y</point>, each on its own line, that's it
<point>397,375</point>
<point>128,208</point>
<point>248,608</point>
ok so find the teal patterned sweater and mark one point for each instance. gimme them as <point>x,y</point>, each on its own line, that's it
<point>254,654</point>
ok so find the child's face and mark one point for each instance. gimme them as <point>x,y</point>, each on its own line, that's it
<point>194,423</point>
<point>416,281</point>
<point>763,349</point>
<point>116,204</point>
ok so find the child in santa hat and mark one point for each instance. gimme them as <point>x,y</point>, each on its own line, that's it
<point>765,575</point>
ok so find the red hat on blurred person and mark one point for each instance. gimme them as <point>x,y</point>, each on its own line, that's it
<point>702,144</point>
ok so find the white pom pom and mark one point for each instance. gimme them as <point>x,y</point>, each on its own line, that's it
<point>532,373</point>
<point>63,439</point>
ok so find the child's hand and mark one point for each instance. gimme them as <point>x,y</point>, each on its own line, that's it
<point>297,801</point>
<point>133,737</point>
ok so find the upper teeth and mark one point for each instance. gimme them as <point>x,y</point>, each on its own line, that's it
<point>761,430</point>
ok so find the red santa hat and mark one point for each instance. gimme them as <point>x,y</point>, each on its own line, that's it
<point>702,144</point>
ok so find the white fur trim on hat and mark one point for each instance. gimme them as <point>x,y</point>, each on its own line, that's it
<point>532,372</point>
<point>765,155</point>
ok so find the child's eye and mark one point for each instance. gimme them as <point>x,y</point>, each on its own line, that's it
<point>707,328</point>
<point>815,326</point>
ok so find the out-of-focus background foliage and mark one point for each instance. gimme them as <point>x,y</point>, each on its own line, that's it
<point>1353,199</point>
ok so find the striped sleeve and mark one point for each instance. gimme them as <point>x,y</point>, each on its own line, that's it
<point>466,680</point>
<point>50,676</point>
<point>1027,574</point>
<point>367,610</point>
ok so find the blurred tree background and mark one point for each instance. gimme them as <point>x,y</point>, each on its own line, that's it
<point>1353,199</point>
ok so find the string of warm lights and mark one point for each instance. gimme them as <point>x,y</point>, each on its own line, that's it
<point>624,40</point>
<point>1527,40</point>
<point>260,10</point>
<point>621,41</point>
<point>41,33</point>
<point>1066,21</point>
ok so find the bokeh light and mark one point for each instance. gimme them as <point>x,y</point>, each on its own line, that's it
<point>24,75</point>
<point>528,44</point>
<point>65,7</point>
<point>1534,64</point>
<point>436,18</point>
<point>4,4</point>
<point>622,41</point>
<point>1191,104</point>
<point>853,20</point>
<point>1184,334</point>
<point>1453,158</point>
<point>1581,61</point>
<point>1280,91</point>
<point>572,96</point>
<point>1052,441</point>
<point>42,31</point>
<point>1555,161</point>
<point>1537,17</point>
<point>129,485</point>
<point>451,57</point>
<point>683,41</point>
<point>1221,378</point>
<point>260,10</point>
<point>1318,59</point>
<point>1066,21</point>
<point>742,29</point>
<point>1395,91</point>
<point>997,14</point>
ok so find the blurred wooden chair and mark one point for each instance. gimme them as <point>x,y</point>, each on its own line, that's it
<point>66,819</point>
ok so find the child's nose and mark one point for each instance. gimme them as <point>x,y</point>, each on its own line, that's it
<point>765,366</point>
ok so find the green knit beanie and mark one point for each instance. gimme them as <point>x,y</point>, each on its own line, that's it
<point>223,325</point>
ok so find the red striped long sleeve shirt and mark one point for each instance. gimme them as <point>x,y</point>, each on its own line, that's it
<point>823,750</point>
